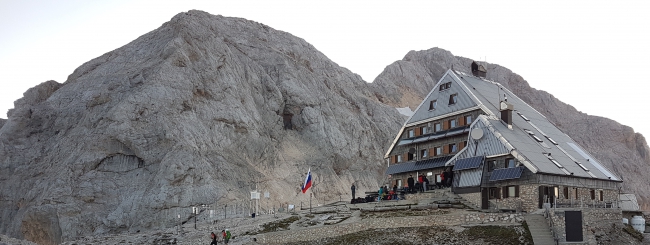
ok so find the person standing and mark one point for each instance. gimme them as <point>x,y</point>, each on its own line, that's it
<point>353,188</point>
<point>426,182</point>
<point>411,182</point>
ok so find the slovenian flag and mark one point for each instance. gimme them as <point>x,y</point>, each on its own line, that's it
<point>307,182</point>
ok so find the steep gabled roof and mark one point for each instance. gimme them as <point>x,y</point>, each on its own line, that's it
<point>534,136</point>
<point>533,140</point>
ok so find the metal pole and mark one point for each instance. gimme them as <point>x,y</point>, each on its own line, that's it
<point>225,211</point>
<point>310,194</point>
<point>195,212</point>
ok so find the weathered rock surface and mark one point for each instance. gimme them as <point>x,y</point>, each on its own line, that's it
<point>197,111</point>
<point>618,147</point>
<point>203,108</point>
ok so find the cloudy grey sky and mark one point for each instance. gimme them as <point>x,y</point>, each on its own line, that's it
<point>590,54</point>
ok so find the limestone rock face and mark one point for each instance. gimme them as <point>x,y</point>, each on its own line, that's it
<point>198,111</point>
<point>618,147</point>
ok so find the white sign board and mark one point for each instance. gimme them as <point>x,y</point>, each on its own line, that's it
<point>291,206</point>
<point>267,194</point>
<point>255,195</point>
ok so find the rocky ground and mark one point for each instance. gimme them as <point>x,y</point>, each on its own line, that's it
<point>247,230</point>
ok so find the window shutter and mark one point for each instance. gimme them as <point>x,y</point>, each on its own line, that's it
<point>461,122</point>
<point>406,157</point>
<point>516,191</point>
<point>418,132</point>
<point>445,125</point>
<point>505,192</point>
<point>445,149</point>
<point>393,159</point>
<point>432,152</point>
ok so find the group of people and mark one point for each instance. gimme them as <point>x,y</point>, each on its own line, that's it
<point>386,194</point>
<point>224,233</point>
<point>422,183</point>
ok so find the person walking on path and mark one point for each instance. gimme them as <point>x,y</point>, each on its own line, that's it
<point>226,235</point>
<point>353,188</point>
<point>214,238</point>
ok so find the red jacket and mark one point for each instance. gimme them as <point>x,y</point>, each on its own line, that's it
<point>420,179</point>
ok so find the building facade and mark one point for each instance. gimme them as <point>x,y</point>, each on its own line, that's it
<point>502,152</point>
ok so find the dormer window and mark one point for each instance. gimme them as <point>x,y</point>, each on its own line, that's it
<point>399,158</point>
<point>453,99</point>
<point>468,119</point>
<point>423,130</point>
<point>433,104</point>
<point>452,123</point>
<point>411,133</point>
<point>445,86</point>
<point>437,127</point>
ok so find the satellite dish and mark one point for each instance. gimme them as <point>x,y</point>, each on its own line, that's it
<point>412,150</point>
<point>476,133</point>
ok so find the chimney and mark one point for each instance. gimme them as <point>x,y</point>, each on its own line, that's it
<point>478,70</point>
<point>506,113</point>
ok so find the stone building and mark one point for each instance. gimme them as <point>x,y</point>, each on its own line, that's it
<point>503,153</point>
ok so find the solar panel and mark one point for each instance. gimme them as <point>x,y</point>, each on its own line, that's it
<point>506,173</point>
<point>468,163</point>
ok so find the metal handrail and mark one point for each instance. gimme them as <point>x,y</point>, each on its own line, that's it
<point>551,225</point>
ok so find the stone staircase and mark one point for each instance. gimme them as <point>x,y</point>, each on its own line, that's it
<point>539,229</point>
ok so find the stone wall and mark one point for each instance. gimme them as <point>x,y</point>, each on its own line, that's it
<point>474,198</point>
<point>584,198</point>
<point>595,223</point>
<point>413,221</point>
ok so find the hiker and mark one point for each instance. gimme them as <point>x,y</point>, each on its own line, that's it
<point>450,177</point>
<point>421,182</point>
<point>411,183</point>
<point>442,178</point>
<point>353,188</point>
<point>226,235</point>
<point>214,238</point>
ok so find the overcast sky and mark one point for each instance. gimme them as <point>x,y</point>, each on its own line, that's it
<point>591,54</point>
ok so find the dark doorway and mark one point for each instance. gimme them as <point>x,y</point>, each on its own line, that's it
<point>546,193</point>
<point>485,198</point>
<point>573,224</point>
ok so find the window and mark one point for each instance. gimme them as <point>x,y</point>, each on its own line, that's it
<point>556,191</point>
<point>593,194</point>
<point>424,153</point>
<point>445,86</point>
<point>491,165</point>
<point>410,156</point>
<point>452,123</point>
<point>423,130</point>
<point>453,148</point>
<point>437,151</point>
<point>524,117</point>
<point>468,119</point>
<point>600,195</point>
<point>576,193</point>
<point>411,133</point>
<point>399,158</point>
<point>511,191</point>
<point>399,183</point>
<point>453,99</point>
<point>433,104</point>
<point>566,192</point>
<point>429,173</point>
<point>510,162</point>
<point>437,127</point>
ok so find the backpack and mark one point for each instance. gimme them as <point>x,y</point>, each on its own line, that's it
<point>227,234</point>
